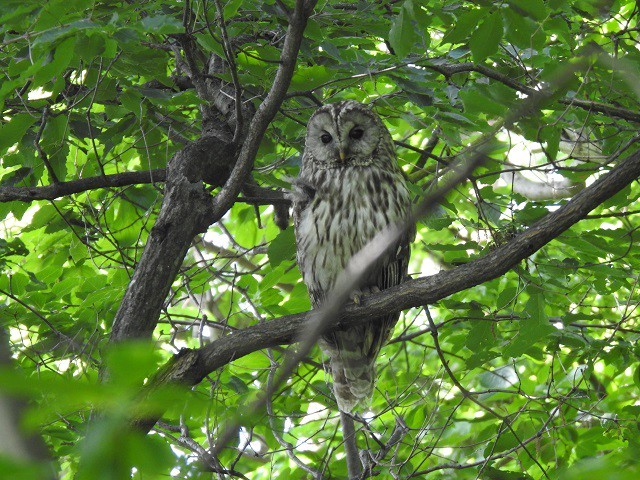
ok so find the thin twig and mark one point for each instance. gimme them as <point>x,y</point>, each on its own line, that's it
<point>41,152</point>
<point>230,56</point>
<point>472,396</point>
<point>289,448</point>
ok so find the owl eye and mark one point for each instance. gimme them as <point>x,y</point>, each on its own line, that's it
<point>356,133</point>
<point>325,137</point>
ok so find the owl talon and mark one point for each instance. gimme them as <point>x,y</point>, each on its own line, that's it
<point>301,190</point>
<point>356,297</point>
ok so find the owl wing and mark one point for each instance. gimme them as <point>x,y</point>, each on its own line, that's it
<point>393,270</point>
<point>302,193</point>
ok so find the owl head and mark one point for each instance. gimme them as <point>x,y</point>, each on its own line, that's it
<point>347,134</point>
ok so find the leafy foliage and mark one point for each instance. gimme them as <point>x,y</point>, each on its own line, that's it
<point>548,351</point>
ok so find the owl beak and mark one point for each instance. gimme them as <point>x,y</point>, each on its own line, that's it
<point>342,155</point>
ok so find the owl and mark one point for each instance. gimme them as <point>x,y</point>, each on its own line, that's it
<point>350,187</point>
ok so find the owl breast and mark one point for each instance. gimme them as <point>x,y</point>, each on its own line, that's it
<point>348,209</point>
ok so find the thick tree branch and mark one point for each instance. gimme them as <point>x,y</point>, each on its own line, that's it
<point>255,195</point>
<point>184,212</point>
<point>191,366</point>
<point>62,189</point>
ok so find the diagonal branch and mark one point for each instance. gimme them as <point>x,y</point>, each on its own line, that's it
<point>267,110</point>
<point>185,207</point>
<point>191,366</point>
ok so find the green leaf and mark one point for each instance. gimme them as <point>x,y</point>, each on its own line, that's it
<point>162,24</point>
<point>23,469</point>
<point>133,101</point>
<point>522,31</point>
<point>61,59</point>
<point>486,38</point>
<point>481,336</point>
<point>551,136</point>
<point>13,247</point>
<point>506,297</point>
<point>402,35</point>
<point>464,25</point>
<point>129,363</point>
<point>13,131</point>
<point>556,25</point>
<point>50,36</point>
<point>491,473</point>
<point>254,361</point>
<point>532,329</point>
<point>636,376</point>
<point>282,248</point>
<point>298,300</point>
<point>437,219</point>
<point>54,133</point>
<point>490,212</point>
<point>310,77</point>
<point>536,9</point>
<point>231,8</point>
<point>92,46</point>
<point>15,177</point>
<point>476,102</point>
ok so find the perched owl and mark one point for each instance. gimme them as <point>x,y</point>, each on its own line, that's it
<point>350,187</point>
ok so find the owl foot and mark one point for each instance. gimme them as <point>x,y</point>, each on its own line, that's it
<point>301,193</point>
<point>357,295</point>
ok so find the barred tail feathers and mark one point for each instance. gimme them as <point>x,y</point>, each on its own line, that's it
<point>352,356</point>
<point>353,379</point>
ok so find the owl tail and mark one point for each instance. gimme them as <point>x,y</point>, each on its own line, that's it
<point>352,355</point>
<point>353,379</point>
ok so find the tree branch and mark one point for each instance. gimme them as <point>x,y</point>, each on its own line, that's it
<point>62,189</point>
<point>191,366</point>
<point>185,208</point>
<point>255,195</point>
<point>41,152</point>
<point>354,464</point>
<point>267,110</point>
<point>451,69</point>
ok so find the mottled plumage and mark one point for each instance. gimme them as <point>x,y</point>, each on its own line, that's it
<point>350,187</point>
